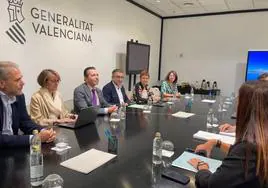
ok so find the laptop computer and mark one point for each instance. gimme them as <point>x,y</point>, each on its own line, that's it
<point>85,117</point>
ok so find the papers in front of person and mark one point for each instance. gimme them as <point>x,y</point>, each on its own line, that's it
<point>203,135</point>
<point>166,153</point>
<point>92,158</point>
<point>182,162</point>
<point>227,134</point>
<point>139,106</point>
<point>114,120</point>
<point>181,114</point>
<point>208,101</point>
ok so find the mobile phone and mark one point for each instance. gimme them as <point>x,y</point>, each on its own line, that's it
<point>175,176</point>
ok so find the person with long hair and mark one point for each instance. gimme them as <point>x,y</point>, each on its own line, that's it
<point>246,163</point>
<point>169,86</point>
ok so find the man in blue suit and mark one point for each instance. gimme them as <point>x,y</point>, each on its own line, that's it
<point>13,113</point>
<point>114,92</point>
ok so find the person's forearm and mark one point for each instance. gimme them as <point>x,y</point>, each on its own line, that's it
<point>167,95</point>
<point>223,147</point>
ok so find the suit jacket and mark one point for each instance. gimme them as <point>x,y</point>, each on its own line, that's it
<point>111,96</point>
<point>232,172</point>
<point>20,120</point>
<point>44,110</point>
<point>82,99</point>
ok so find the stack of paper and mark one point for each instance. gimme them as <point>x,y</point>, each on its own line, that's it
<point>203,135</point>
<point>139,106</point>
<point>182,162</point>
<point>88,161</point>
<point>208,101</point>
<point>228,134</point>
<point>181,114</point>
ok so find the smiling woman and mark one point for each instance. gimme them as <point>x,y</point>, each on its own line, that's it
<point>46,107</point>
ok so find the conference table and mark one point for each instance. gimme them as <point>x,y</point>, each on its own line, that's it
<point>132,168</point>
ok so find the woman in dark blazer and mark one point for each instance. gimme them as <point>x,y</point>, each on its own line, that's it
<point>246,163</point>
<point>141,92</point>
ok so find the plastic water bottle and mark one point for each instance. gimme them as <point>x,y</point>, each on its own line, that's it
<point>122,111</point>
<point>192,91</point>
<point>157,149</point>
<point>210,118</point>
<point>150,102</point>
<point>36,160</point>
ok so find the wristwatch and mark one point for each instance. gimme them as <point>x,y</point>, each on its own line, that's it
<point>218,145</point>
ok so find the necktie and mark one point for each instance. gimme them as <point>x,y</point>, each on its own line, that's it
<point>94,97</point>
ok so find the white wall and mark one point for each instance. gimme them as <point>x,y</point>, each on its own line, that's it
<point>213,47</point>
<point>115,22</point>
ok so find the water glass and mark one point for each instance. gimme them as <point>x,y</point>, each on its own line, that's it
<point>53,181</point>
<point>167,152</point>
<point>61,142</point>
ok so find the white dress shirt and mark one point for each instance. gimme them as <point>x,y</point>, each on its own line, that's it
<point>119,93</point>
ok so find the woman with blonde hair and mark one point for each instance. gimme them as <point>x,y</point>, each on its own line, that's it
<point>46,107</point>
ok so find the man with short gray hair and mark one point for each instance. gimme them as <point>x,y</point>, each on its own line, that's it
<point>13,113</point>
<point>114,92</point>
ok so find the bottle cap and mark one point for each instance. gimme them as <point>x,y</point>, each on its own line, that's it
<point>157,134</point>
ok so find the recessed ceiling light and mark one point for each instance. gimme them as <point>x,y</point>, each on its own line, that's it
<point>158,1</point>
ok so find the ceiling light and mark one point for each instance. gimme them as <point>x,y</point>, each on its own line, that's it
<point>158,1</point>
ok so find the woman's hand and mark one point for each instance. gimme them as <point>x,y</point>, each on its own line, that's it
<point>198,164</point>
<point>208,146</point>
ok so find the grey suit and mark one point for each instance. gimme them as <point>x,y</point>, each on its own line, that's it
<point>82,99</point>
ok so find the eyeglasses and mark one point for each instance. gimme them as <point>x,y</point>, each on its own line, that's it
<point>54,81</point>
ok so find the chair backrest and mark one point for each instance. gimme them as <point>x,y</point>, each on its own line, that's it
<point>155,91</point>
<point>69,105</point>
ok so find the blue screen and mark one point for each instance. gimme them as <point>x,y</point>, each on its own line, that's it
<point>257,64</point>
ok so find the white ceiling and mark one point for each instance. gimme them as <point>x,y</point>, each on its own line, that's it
<point>167,8</point>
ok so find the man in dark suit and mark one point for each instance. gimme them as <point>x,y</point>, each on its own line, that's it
<point>87,94</point>
<point>13,113</point>
<point>114,91</point>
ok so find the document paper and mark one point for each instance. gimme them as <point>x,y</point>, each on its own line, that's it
<point>88,161</point>
<point>181,114</point>
<point>139,106</point>
<point>182,162</point>
<point>203,135</point>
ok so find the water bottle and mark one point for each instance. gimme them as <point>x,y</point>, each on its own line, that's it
<point>150,103</point>
<point>157,149</point>
<point>210,118</point>
<point>123,111</point>
<point>192,91</point>
<point>36,160</point>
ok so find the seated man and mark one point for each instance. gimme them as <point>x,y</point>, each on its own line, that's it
<point>114,91</point>
<point>87,94</point>
<point>13,113</point>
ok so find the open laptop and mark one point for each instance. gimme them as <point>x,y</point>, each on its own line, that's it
<point>85,117</point>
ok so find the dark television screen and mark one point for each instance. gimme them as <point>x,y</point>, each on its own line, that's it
<point>138,56</point>
<point>257,64</point>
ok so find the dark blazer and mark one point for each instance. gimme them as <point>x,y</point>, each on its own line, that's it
<point>82,99</point>
<point>232,172</point>
<point>20,120</point>
<point>110,94</point>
